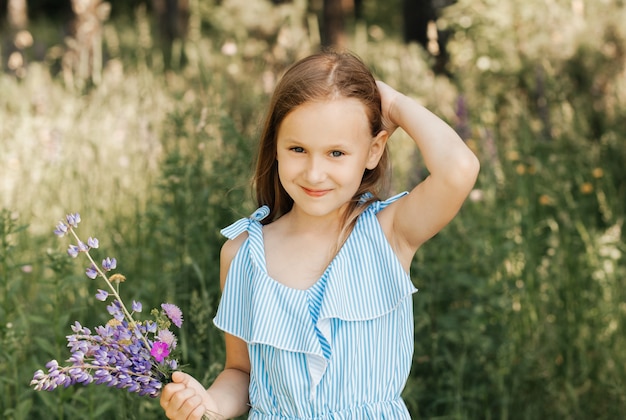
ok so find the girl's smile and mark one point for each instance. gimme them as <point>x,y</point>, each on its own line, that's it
<point>315,193</point>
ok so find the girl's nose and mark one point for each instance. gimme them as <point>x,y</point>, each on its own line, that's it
<point>314,171</point>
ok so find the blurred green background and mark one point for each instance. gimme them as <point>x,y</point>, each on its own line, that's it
<point>145,119</point>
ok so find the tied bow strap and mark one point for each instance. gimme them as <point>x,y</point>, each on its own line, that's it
<point>242,225</point>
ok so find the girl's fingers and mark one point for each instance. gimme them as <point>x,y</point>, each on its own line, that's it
<point>169,391</point>
<point>183,398</point>
<point>197,413</point>
<point>180,377</point>
<point>188,381</point>
<point>388,96</point>
<point>183,404</point>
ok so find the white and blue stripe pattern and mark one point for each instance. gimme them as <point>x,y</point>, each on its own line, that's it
<point>341,349</point>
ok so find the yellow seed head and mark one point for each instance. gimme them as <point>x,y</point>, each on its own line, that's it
<point>117,278</point>
<point>545,200</point>
<point>114,322</point>
<point>586,188</point>
<point>512,155</point>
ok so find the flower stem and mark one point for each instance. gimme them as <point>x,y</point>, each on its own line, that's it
<point>127,314</point>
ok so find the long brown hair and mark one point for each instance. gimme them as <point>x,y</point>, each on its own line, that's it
<point>322,76</point>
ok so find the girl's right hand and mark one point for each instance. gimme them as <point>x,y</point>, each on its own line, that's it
<point>185,398</point>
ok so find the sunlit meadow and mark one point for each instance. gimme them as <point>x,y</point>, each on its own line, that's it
<point>522,304</point>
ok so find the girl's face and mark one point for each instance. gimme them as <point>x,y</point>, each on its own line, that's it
<point>323,149</point>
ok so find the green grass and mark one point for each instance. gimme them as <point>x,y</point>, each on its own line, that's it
<point>521,311</point>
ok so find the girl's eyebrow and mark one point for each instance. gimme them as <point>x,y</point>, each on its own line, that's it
<point>342,144</point>
<point>336,146</point>
<point>289,141</point>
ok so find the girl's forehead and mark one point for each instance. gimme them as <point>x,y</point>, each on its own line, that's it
<point>336,101</point>
<point>338,107</point>
<point>338,119</point>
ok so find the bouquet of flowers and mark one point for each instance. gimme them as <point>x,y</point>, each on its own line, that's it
<point>124,353</point>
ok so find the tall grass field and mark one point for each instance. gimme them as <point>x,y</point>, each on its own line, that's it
<point>521,312</point>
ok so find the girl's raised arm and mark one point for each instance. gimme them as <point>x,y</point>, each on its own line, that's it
<point>453,169</point>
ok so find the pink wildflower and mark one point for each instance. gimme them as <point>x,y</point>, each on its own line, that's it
<point>160,350</point>
<point>174,313</point>
<point>168,337</point>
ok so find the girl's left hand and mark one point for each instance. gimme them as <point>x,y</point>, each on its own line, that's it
<point>388,97</point>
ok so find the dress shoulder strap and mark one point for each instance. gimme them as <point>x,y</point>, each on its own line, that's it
<point>244,224</point>
<point>380,205</point>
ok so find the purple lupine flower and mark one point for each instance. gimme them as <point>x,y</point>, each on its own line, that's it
<point>73,251</point>
<point>109,263</point>
<point>92,272</point>
<point>79,329</point>
<point>82,247</point>
<point>93,242</point>
<point>462,126</point>
<point>39,375</point>
<point>102,295</point>
<point>52,365</point>
<point>61,230</point>
<point>151,327</point>
<point>104,331</point>
<point>77,357</point>
<point>116,310</point>
<point>174,313</point>
<point>73,219</point>
<point>137,306</point>
<point>160,350</point>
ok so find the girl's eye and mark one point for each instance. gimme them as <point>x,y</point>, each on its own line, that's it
<point>336,153</point>
<point>297,149</point>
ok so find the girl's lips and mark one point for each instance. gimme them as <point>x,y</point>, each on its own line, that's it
<point>314,193</point>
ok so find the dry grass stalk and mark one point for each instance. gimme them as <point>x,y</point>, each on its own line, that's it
<point>82,62</point>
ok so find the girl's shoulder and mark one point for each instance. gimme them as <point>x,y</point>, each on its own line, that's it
<point>386,214</point>
<point>227,254</point>
<point>231,247</point>
<point>237,234</point>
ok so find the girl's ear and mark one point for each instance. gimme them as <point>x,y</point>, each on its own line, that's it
<point>377,147</point>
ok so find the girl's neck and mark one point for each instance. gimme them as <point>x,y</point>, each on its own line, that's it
<point>303,223</point>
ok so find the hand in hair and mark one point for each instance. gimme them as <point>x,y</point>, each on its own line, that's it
<point>388,97</point>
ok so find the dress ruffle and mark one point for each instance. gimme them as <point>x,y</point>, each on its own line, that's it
<point>355,292</point>
<point>260,310</point>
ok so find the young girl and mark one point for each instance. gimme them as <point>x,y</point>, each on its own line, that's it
<point>317,297</point>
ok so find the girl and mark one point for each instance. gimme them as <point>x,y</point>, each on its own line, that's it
<point>317,297</point>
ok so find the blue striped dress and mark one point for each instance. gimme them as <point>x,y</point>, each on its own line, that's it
<point>341,349</point>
